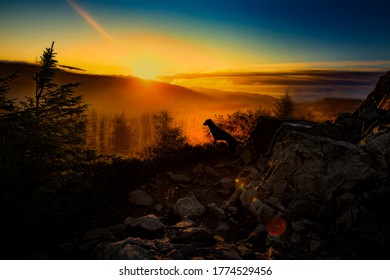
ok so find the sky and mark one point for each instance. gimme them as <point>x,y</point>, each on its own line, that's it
<point>204,43</point>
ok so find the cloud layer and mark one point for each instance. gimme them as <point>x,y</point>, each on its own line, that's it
<point>304,84</point>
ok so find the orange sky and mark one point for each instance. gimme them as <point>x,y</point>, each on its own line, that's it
<point>171,42</point>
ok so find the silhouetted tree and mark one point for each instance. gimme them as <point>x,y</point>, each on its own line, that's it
<point>169,138</point>
<point>284,105</point>
<point>43,143</point>
<point>121,136</point>
<point>93,129</point>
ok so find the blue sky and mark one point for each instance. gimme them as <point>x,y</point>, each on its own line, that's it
<point>170,37</point>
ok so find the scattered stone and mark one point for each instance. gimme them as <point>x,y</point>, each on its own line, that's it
<point>185,223</point>
<point>247,196</point>
<point>258,237</point>
<point>175,255</point>
<point>227,183</point>
<point>148,225</point>
<point>196,234</point>
<point>141,197</point>
<point>209,171</point>
<point>223,226</point>
<point>245,253</point>
<point>215,210</point>
<point>188,206</point>
<point>150,222</point>
<point>262,211</point>
<point>180,178</point>
<point>198,169</point>
<point>128,249</point>
<point>227,252</point>
<point>314,245</point>
<point>158,207</point>
<point>224,191</point>
<point>295,237</point>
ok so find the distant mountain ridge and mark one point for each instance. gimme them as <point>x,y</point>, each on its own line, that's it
<point>131,94</point>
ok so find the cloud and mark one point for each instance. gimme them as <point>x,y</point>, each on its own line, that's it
<point>304,84</point>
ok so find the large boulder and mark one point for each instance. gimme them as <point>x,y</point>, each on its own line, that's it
<point>313,168</point>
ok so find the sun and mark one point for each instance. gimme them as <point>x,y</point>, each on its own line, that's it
<point>147,67</point>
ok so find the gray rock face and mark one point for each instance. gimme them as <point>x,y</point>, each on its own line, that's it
<point>188,206</point>
<point>308,167</point>
<point>141,197</point>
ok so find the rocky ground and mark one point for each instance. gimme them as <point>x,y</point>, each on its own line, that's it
<point>297,190</point>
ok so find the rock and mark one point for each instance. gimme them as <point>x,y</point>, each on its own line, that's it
<point>245,253</point>
<point>247,196</point>
<point>227,183</point>
<point>150,223</point>
<point>312,168</point>
<point>198,169</point>
<point>188,206</point>
<point>223,226</point>
<point>141,197</point>
<point>185,223</point>
<point>128,249</point>
<point>378,143</point>
<point>196,234</point>
<point>379,98</point>
<point>304,225</point>
<point>175,255</point>
<point>98,234</point>
<point>227,252</point>
<point>224,191</point>
<point>180,178</point>
<point>246,157</point>
<point>209,171</point>
<point>262,136</point>
<point>158,207</point>
<point>314,245</point>
<point>258,236</point>
<point>305,208</point>
<point>262,211</point>
<point>215,210</point>
<point>295,237</point>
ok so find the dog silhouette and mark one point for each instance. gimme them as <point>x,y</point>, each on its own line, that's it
<point>221,135</point>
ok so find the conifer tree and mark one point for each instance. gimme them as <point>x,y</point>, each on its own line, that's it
<point>284,105</point>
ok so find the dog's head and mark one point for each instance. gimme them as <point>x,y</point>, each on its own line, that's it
<point>208,122</point>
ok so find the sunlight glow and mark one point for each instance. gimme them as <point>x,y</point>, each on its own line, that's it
<point>147,66</point>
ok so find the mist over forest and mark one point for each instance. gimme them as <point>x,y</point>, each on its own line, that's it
<point>122,107</point>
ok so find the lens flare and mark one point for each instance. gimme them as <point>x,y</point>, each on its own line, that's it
<point>277,226</point>
<point>239,184</point>
<point>88,18</point>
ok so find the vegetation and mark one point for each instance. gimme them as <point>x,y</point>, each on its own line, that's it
<point>240,124</point>
<point>284,105</point>
<point>169,139</point>
<point>55,186</point>
<point>42,146</point>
